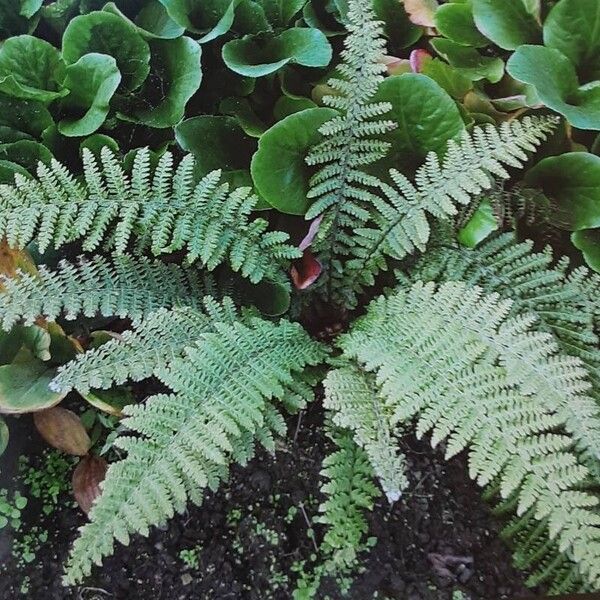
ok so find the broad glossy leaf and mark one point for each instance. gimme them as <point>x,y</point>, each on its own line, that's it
<point>279,170</point>
<point>27,116</point>
<point>242,110</point>
<point>26,153</point>
<point>422,12</point>
<point>572,183</point>
<point>175,76</point>
<point>12,22</point>
<point>230,148</point>
<point>109,401</point>
<point>447,77</point>
<point>4,435</point>
<point>398,28</point>
<point>62,429</point>
<point>33,339</point>
<point>92,81</point>
<point>214,18</point>
<point>573,27</point>
<point>280,12</point>
<point>508,23</point>
<point>286,106</point>
<point>102,32</point>
<point>480,226</point>
<point>152,21</point>
<point>31,69</point>
<point>426,115</point>
<point>9,169</point>
<point>87,477</point>
<point>588,241</point>
<point>262,54</point>
<point>24,387</point>
<point>30,7</point>
<point>554,78</point>
<point>469,61</point>
<point>455,21</point>
<point>95,143</point>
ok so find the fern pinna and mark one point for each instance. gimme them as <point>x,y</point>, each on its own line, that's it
<point>492,351</point>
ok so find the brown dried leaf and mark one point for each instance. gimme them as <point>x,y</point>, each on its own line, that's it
<point>421,12</point>
<point>87,477</point>
<point>63,429</point>
<point>13,260</point>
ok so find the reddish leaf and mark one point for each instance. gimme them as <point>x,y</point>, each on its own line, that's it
<point>63,429</point>
<point>306,270</point>
<point>87,477</point>
<point>417,60</point>
<point>421,12</point>
<point>312,232</point>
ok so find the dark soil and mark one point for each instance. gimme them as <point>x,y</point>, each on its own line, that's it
<point>438,539</point>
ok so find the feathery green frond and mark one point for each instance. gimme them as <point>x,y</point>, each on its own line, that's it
<point>565,304</point>
<point>163,210</point>
<point>454,359</point>
<point>224,385</point>
<point>349,492</point>
<point>365,221</point>
<point>125,286</point>
<point>398,218</point>
<point>155,342</point>
<point>354,404</point>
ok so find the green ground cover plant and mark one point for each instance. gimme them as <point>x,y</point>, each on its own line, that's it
<point>390,208</point>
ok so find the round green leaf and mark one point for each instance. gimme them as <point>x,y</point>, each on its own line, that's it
<point>469,61</point>
<point>26,153</point>
<point>95,143</point>
<point>286,106</point>
<point>24,388</point>
<point>175,76</point>
<point>588,241</point>
<point>455,21</point>
<point>426,115</point>
<point>398,28</point>
<point>230,148</point>
<point>33,339</point>
<point>554,78</point>
<point>92,82</point>
<point>213,18</point>
<point>241,109</point>
<point>259,55</point>
<point>280,12</point>
<point>447,77</point>
<point>480,226</point>
<point>270,297</point>
<point>279,170</point>
<point>573,27</point>
<point>153,21</point>
<point>106,33</point>
<point>27,116</point>
<point>508,23</point>
<point>9,169</point>
<point>3,439</point>
<point>31,68</point>
<point>572,183</point>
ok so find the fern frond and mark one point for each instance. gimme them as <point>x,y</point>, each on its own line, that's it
<point>224,385</point>
<point>156,341</point>
<point>355,405</point>
<point>349,492</point>
<point>399,217</point>
<point>565,304</point>
<point>449,357</point>
<point>125,286</point>
<point>163,210</point>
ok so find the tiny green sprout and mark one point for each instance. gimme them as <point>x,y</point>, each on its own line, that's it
<point>191,557</point>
